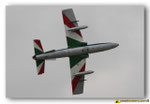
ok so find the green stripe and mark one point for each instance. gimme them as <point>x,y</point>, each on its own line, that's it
<point>38,62</point>
<point>74,43</point>
<point>37,51</point>
<point>76,59</point>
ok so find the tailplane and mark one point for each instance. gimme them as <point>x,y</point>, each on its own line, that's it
<point>38,47</point>
<point>40,64</point>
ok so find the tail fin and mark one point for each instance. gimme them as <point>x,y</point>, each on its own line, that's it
<point>40,64</point>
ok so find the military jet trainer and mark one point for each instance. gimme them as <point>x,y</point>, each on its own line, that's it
<point>77,51</point>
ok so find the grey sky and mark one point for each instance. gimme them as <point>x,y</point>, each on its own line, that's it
<point>118,72</point>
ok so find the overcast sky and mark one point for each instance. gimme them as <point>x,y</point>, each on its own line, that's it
<point>117,73</point>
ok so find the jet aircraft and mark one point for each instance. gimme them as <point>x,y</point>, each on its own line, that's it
<point>77,51</point>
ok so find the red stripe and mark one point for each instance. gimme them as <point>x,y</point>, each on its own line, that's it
<point>77,78</point>
<point>42,69</point>
<point>75,82</point>
<point>68,23</point>
<point>78,32</point>
<point>83,68</point>
<point>38,43</point>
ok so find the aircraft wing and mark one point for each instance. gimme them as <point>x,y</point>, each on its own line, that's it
<point>77,64</point>
<point>73,34</point>
<point>75,39</point>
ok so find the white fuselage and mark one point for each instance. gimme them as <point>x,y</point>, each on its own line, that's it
<point>67,52</point>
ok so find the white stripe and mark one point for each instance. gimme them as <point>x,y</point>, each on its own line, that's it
<point>73,35</point>
<point>37,47</point>
<point>39,67</point>
<point>77,67</point>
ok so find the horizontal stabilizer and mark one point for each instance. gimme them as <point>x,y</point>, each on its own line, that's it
<point>77,28</point>
<point>40,64</point>
<point>38,47</point>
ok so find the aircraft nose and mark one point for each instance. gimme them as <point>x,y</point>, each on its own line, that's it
<point>115,45</point>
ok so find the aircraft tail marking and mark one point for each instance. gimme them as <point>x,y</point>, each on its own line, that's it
<point>38,47</point>
<point>40,64</point>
